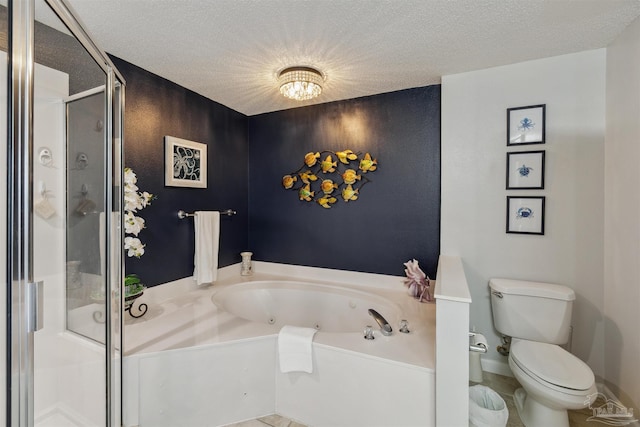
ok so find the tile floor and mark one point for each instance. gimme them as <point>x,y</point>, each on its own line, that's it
<point>505,386</point>
<point>268,421</point>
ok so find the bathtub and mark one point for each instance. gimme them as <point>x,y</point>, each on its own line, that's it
<point>325,307</point>
<point>208,356</point>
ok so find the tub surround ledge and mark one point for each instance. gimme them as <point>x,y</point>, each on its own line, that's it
<point>179,311</point>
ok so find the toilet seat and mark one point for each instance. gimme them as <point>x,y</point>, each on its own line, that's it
<point>552,366</point>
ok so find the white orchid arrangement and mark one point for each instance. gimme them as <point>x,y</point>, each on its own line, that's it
<point>134,201</point>
<point>417,282</point>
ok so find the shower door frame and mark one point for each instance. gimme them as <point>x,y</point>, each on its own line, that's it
<point>22,292</point>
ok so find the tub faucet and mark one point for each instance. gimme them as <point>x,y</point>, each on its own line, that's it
<point>385,327</point>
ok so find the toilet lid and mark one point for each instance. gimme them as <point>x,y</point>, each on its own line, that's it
<point>552,364</point>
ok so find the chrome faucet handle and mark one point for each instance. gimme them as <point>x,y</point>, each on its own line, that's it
<point>368,333</point>
<point>404,326</point>
<point>385,327</point>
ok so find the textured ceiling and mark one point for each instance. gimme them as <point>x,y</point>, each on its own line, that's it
<point>231,50</point>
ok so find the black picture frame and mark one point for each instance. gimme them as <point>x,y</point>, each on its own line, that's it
<point>526,214</point>
<point>526,125</point>
<point>525,170</point>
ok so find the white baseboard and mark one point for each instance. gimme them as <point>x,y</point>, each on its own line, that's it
<point>602,388</point>
<point>496,367</point>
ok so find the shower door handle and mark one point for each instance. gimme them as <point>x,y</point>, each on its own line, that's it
<point>34,299</point>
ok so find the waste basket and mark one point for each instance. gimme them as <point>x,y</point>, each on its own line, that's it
<point>486,408</point>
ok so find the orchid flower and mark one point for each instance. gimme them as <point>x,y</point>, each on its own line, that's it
<point>417,282</point>
<point>133,202</point>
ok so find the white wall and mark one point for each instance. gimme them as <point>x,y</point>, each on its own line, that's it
<point>474,197</point>
<point>622,207</point>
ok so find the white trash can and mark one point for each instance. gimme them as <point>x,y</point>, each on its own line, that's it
<point>486,408</point>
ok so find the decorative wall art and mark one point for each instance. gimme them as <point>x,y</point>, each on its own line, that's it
<point>525,214</point>
<point>327,176</point>
<point>526,125</point>
<point>185,163</point>
<point>525,170</point>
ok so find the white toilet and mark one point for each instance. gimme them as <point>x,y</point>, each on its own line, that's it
<point>537,316</point>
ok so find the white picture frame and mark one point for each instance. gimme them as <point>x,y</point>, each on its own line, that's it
<point>185,163</point>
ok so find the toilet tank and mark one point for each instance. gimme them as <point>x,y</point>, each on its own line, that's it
<point>532,310</point>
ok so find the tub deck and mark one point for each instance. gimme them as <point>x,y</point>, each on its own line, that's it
<point>191,319</point>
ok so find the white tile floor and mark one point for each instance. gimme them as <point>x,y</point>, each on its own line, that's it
<point>268,421</point>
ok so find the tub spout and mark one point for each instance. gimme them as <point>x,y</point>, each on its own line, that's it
<point>385,327</point>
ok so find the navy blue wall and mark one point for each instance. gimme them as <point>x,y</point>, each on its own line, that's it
<point>397,216</point>
<point>156,107</point>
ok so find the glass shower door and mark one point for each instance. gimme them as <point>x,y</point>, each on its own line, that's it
<point>63,205</point>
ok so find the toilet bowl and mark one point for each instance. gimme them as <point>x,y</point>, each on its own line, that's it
<point>553,381</point>
<point>537,316</point>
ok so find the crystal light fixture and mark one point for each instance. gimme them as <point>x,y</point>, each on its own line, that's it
<point>300,83</point>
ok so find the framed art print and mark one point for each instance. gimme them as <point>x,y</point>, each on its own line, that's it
<point>185,163</point>
<point>525,214</point>
<point>526,125</point>
<point>525,170</point>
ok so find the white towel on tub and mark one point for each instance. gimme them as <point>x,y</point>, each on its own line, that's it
<point>207,237</point>
<point>295,349</point>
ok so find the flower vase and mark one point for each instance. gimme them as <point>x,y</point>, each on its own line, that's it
<point>133,289</point>
<point>131,294</point>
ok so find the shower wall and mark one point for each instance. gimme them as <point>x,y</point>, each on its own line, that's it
<point>67,368</point>
<point>62,390</point>
<point>85,157</point>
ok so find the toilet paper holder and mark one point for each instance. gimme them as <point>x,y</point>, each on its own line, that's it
<point>477,347</point>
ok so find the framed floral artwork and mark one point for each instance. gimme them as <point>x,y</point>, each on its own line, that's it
<point>525,214</point>
<point>526,125</point>
<point>185,163</point>
<point>525,170</point>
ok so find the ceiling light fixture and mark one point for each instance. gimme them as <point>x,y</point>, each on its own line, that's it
<point>300,83</point>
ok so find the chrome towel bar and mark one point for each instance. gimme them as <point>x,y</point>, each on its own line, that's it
<point>182,214</point>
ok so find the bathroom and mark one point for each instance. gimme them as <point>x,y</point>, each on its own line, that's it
<point>439,188</point>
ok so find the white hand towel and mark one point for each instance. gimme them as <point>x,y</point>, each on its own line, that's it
<point>207,229</point>
<point>294,349</point>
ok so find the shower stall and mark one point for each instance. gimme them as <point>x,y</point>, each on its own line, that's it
<point>63,106</point>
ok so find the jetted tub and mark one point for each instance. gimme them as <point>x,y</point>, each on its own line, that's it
<point>327,308</point>
<point>209,355</point>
